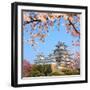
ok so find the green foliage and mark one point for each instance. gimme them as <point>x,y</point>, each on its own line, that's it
<point>45,70</point>
<point>57,73</point>
<point>40,70</point>
<point>35,73</point>
<point>69,71</point>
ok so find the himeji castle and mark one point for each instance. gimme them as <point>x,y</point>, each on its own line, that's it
<point>60,56</point>
<point>41,59</point>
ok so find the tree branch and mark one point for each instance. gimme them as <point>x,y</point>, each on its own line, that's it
<point>27,22</point>
<point>73,26</point>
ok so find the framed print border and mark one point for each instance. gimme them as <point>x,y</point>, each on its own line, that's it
<point>14,43</point>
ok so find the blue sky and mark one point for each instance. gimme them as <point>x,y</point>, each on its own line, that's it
<point>50,41</point>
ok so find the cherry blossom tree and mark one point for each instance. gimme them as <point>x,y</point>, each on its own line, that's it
<point>26,68</point>
<point>76,43</point>
<point>40,22</point>
<point>77,59</point>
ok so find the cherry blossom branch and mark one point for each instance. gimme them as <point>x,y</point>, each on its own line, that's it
<point>73,26</point>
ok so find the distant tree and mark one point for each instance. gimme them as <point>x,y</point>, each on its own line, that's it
<point>26,68</point>
<point>40,70</point>
<point>69,71</point>
<point>77,60</point>
<point>36,71</point>
<point>75,63</point>
<point>57,73</point>
<point>47,69</point>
